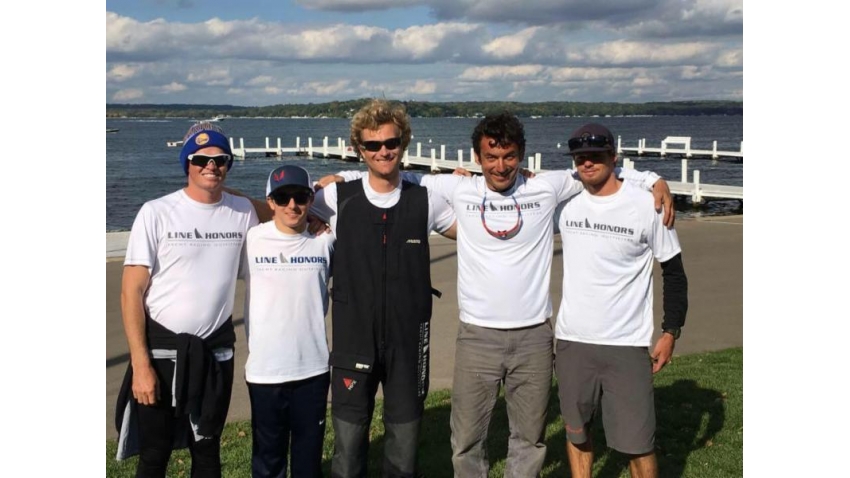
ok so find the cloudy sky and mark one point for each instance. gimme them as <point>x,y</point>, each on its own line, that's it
<point>263,52</point>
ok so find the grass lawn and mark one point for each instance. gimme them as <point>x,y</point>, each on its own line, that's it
<point>699,407</point>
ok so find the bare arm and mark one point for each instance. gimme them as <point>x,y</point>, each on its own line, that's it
<point>133,286</point>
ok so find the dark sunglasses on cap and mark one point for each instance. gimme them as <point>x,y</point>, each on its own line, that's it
<point>302,197</point>
<point>588,141</point>
<point>202,160</point>
<point>375,146</point>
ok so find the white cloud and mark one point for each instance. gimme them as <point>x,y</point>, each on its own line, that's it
<point>731,59</point>
<point>259,80</point>
<point>487,73</point>
<point>173,87</point>
<point>422,87</point>
<point>128,95</point>
<point>510,45</point>
<point>120,72</point>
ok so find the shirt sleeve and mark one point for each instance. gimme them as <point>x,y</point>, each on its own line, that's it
<point>324,203</point>
<point>645,179</point>
<point>144,239</point>
<point>352,175</point>
<point>564,183</point>
<point>664,242</point>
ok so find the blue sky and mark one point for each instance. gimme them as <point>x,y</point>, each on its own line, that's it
<point>257,53</point>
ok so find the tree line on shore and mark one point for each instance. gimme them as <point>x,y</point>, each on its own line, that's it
<point>424,109</point>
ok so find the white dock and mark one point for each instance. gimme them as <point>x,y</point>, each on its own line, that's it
<point>679,146</point>
<point>436,160</point>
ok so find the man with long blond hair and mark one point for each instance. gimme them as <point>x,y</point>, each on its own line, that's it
<point>381,295</point>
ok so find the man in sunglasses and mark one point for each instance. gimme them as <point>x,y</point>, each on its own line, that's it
<point>504,250</point>
<point>604,327</point>
<point>286,271</point>
<point>177,296</point>
<point>381,295</point>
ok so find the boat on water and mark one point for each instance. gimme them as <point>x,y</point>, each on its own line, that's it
<point>214,119</point>
<point>111,130</point>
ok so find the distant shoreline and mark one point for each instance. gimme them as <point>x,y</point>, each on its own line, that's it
<point>423,109</point>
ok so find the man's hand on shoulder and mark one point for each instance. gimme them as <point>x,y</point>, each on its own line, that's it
<point>325,180</point>
<point>663,198</point>
<point>316,226</point>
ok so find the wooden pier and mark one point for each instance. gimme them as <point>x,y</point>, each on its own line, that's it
<point>437,161</point>
<point>679,146</point>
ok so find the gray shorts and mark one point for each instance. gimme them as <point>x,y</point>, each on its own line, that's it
<point>617,377</point>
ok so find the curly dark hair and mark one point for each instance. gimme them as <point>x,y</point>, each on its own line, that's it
<point>505,128</point>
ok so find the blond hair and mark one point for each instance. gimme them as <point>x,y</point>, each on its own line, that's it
<point>375,114</point>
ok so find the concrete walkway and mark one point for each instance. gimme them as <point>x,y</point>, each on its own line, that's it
<point>712,252</point>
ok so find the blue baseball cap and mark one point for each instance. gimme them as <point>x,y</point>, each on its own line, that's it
<point>288,176</point>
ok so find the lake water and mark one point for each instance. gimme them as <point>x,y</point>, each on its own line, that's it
<point>140,167</point>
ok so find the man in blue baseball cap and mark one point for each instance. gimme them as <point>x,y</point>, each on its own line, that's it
<point>177,297</point>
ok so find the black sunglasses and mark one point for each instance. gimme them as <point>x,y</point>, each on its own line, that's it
<point>281,198</point>
<point>375,146</point>
<point>202,160</point>
<point>591,141</point>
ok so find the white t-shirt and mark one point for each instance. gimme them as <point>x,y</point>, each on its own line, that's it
<point>286,278</point>
<point>192,251</point>
<point>504,283</point>
<point>440,214</point>
<point>608,246</point>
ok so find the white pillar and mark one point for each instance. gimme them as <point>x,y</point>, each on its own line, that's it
<point>688,149</point>
<point>619,145</point>
<point>325,147</point>
<point>242,146</point>
<point>267,143</point>
<point>406,159</point>
<point>442,152</point>
<point>279,148</point>
<point>714,150</point>
<point>538,162</point>
<point>663,149</point>
<point>310,146</point>
<point>434,160</point>
<point>344,154</point>
<point>696,197</point>
<point>418,150</point>
<point>460,158</point>
<point>684,170</point>
<point>742,147</point>
<point>298,142</point>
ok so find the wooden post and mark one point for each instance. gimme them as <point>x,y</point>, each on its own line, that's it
<point>442,152</point>
<point>279,148</point>
<point>325,147</point>
<point>714,150</point>
<point>406,159</point>
<point>619,145</point>
<point>460,158</point>
<point>310,147</point>
<point>538,162</point>
<point>434,161</point>
<point>267,144</point>
<point>298,142</point>
<point>684,170</point>
<point>418,149</point>
<point>696,197</point>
